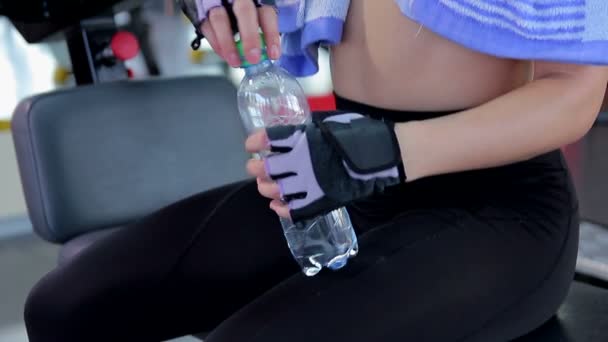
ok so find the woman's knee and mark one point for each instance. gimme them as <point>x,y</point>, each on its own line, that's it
<point>50,309</point>
<point>67,306</point>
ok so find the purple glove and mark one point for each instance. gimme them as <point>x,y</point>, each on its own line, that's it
<point>339,158</point>
<point>197,11</point>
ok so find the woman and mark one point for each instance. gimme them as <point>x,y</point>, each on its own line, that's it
<point>467,223</point>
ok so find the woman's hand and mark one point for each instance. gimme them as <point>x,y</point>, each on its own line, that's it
<point>317,167</point>
<point>216,28</point>
<point>257,143</point>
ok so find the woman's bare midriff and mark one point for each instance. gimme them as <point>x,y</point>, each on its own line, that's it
<point>387,60</point>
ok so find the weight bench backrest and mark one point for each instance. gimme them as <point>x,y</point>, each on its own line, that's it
<point>101,156</point>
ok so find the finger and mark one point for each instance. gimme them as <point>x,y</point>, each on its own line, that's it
<point>247,19</point>
<point>257,142</point>
<point>270,26</point>
<point>218,17</point>
<point>209,33</point>
<point>269,189</point>
<point>256,168</point>
<point>280,208</point>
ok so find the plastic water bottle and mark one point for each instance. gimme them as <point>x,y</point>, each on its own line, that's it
<point>267,96</point>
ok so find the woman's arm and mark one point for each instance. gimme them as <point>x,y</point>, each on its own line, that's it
<point>557,108</point>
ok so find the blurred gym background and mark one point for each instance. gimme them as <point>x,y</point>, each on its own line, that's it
<point>153,40</point>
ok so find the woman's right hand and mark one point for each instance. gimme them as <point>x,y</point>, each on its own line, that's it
<point>217,30</point>
<point>258,143</point>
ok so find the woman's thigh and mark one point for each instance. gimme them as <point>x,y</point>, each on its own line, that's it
<point>429,275</point>
<point>181,270</point>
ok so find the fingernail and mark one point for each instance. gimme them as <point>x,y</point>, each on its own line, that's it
<point>234,60</point>
<point>254,55</point>
<point>274,52</point>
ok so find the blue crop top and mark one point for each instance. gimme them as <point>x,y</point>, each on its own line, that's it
<point>571,31</point>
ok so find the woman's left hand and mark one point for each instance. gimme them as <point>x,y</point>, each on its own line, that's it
<point>258,143</point>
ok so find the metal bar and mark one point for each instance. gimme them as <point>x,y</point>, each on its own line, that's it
<point>83,65</point>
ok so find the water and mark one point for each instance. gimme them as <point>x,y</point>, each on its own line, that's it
<point>269,96</point>
<point>327,241</point>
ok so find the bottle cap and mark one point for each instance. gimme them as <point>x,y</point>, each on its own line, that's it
<point>244,62</point>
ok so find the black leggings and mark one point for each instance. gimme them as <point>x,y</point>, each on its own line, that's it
<point>484,255</point>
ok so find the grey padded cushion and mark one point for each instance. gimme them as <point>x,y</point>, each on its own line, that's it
<point>103,155</point>
<point>73,247</point>
<point>582,318</point>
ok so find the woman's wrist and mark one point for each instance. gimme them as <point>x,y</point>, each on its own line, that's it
<point>410,134</point>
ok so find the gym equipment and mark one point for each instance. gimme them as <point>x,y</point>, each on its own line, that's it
<point>54,15</point>
<point>122,52</point>
<point>95,55</point>
<point>98,51</point>
<point>582,318</point>
<point>94,158</point>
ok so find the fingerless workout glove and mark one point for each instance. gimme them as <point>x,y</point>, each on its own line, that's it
<point>338,158</point>
<point>197,11</point>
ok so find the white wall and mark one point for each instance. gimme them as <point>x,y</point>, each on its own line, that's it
<point>11,196</point>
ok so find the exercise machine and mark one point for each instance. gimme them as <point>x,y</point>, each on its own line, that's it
<point>98,50</point>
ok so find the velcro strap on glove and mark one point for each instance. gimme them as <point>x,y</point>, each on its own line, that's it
<point>366,145</point>
<point>193,8</point>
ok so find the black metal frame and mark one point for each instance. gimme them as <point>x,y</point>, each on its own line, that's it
<point>88,40</point>
<point>88,44</point>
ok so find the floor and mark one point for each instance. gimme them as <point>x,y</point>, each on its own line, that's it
<point>30,69</point>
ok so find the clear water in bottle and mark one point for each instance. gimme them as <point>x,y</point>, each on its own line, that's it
<point>268,96</point>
